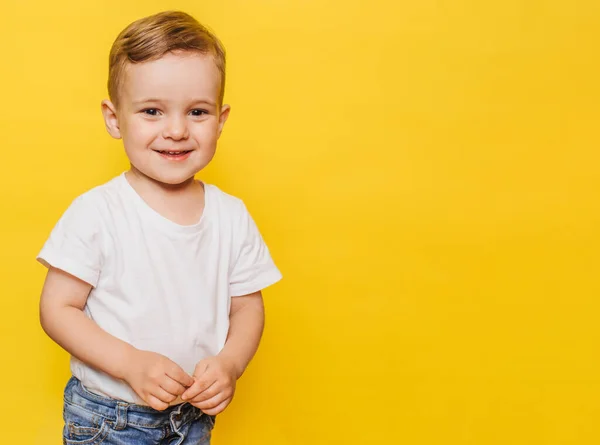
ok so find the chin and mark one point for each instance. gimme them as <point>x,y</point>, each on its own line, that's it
<point>164,176</point>
<point>174,179</point>
<point>172,175</point>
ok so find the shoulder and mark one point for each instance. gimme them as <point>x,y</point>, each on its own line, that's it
<point>91,203</point>
<point>226,203</point>
<point>103,191</point>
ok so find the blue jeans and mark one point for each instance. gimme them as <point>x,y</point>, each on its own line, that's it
<point>91,419</point>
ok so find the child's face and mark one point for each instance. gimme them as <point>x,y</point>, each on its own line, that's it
<point>169,116</point>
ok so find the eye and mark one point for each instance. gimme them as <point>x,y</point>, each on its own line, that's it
<point>198,112</point>
<point>150,111</point>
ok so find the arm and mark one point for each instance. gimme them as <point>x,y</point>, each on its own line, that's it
<point>155,378</point>
<point>216,376</point>
<point>246,324</point>
<point>62,318</point>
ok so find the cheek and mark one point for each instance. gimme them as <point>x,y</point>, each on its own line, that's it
<point>207,134</point>
<point>139,133</point>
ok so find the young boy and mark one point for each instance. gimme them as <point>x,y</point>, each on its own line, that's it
<point>155,278</point>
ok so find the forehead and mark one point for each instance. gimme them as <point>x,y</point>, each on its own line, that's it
<point>174,76</point>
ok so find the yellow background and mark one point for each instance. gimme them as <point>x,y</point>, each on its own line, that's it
<point>426,174</point>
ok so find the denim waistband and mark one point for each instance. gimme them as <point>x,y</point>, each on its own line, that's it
<point>124,413</point>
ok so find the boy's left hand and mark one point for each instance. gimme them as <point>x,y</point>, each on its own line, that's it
<point>214,385</point>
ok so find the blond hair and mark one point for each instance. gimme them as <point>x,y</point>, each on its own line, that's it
<point>151,37</point>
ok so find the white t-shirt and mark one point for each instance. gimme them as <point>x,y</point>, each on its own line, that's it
<point>158,285</point>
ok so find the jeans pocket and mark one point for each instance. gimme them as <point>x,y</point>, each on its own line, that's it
<point>83,427</point>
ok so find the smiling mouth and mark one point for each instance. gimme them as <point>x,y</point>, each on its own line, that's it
<point>173,153</point>
<point>174,156</point>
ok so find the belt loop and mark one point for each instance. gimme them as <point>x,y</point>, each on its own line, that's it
<point>121,415</point>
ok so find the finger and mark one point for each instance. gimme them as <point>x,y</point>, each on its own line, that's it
<point>158,405</point>
<point>180,376</point>
<point>212,402</point>
<point>199,385</point>
<point>217,409</point>
<point>208,393</point>
<point>172,386</point>
<point>162,395</point>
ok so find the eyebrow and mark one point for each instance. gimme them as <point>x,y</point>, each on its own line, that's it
<point>154,99</point>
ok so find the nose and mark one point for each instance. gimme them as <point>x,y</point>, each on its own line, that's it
<point>175,128</point>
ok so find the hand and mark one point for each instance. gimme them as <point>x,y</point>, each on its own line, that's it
<point>214,385</point>
<point>155,378</point>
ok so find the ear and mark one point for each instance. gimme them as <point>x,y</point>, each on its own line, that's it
<point>223,115</point>
<point>109,111</point>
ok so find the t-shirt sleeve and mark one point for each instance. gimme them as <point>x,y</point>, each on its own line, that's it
<point>74,244</point>
<point>253,268</point>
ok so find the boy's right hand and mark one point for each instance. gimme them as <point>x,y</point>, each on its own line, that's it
<point>155,378</point>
